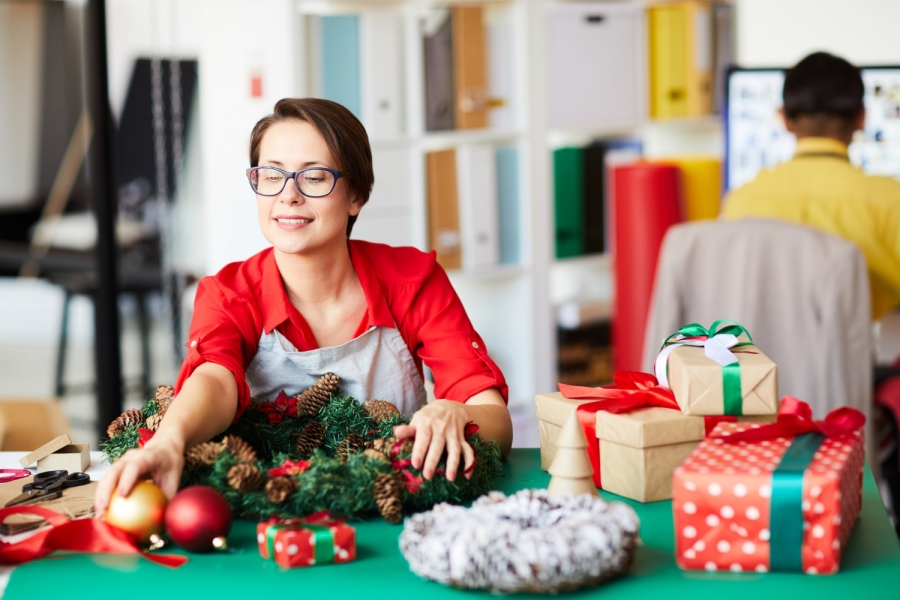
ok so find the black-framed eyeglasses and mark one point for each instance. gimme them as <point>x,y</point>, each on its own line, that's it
<point>314,182</point>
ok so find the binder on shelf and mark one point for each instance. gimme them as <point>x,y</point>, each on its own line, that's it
<point>438,51</point>
<point>470,81</point>
<point>501,75</point>
<point>593,70</point>
<point>701,181</point>
<point>681,56</point>
<point>443,208</point>
<point>568,194</point>
<point>478,219</point>
<point>382,58</point>
<point>723,51</point>
<point>594,198</point>
<point>508,204</point>
<point>340,61</point>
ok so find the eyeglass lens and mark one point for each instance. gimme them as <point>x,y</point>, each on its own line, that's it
<point>311,182</point>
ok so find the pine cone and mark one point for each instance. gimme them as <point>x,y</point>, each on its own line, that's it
<point>382,445</point>
<point>278,489</point>
<point>154,421</point>
<point>242,451</point>
<point>387,496</point>
<point>204,454</point>
<point>373,454</point>
<point>254,405</point>
<point>129,417</point>
<point>313,398</point>
<point>380,410</point>
<point>245,478</point>
<point>351,444</point>
<point>312,437</point>
<point>164,396</point>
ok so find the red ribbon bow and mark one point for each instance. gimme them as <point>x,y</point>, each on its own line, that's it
<point>795,418</point>
<point>281,408</point>
<point>79,535</point>
<point>289,468</point>
<point>632,390</point>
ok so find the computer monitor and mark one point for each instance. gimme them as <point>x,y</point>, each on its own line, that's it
<point>756,138</point>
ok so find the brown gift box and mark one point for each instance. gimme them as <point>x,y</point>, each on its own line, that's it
<point>696,381</point>
<point>639,450</point>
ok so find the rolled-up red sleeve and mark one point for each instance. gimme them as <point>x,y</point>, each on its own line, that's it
<point>449,345</point>
<point>224,332</point>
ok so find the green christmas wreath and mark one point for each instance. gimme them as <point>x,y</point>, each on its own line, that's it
<point>319,450</point>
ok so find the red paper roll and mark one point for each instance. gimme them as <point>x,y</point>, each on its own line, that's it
<point>647,201</point>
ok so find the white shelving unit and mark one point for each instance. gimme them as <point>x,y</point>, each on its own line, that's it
<point>512,306</point>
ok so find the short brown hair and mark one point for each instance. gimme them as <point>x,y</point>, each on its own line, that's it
<point>344,135</point>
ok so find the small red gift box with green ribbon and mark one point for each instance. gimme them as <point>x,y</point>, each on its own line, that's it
<point>779,497</point>
<point>306,542</point>
<point>717,371</point>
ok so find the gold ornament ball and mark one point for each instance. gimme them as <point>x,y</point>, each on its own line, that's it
<point>139,514</point>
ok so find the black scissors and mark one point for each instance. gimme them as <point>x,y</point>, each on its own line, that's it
<point>47,486</point>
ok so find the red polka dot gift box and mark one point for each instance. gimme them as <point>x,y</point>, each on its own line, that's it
<point>303,543</point>
<point>718,371</point>
<point>641,434</point>
<point>779,497</point>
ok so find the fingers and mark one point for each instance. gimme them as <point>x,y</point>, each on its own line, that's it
<point>105,488</point>
<point>469,457</point>
<point>435,450</point>
<point>130,475</point>
<point>404,431</point>
<point>420,446</point>
<point>453,450</point>
<point>169,482</point>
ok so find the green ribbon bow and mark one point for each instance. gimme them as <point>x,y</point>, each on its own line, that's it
<point>731,371</point>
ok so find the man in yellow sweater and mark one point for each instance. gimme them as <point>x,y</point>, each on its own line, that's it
<point>818,187</point>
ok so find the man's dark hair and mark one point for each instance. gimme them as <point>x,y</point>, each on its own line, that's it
<point>823,85</point>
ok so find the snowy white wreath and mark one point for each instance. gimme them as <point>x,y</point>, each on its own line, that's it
<point>526,542</point>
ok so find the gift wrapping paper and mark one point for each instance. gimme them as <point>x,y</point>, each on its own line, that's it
<point>722,495</point>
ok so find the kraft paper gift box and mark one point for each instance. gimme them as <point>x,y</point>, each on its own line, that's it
<point>301,543</point>
<point>694,364</point>
<point>783,504</point>
<point>638,449</point>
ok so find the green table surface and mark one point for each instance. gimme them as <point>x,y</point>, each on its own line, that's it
<point>871,565</point>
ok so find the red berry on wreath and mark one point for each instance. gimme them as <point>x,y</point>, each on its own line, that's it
<point>198,518</point>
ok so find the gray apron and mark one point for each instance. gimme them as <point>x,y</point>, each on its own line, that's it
<point>375,366</point>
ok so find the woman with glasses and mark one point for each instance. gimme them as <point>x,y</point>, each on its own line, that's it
<point>317,302</point>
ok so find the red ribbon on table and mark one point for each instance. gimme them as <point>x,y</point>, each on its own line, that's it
<point>79,535</point>
<point>632,390</point>
<point>795,418</point>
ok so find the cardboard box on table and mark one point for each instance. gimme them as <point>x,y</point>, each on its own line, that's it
<point>696,381</point>
<point>722,501</point>
<point>638,450</point>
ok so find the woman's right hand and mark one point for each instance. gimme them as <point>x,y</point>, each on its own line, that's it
<point>161,459</point>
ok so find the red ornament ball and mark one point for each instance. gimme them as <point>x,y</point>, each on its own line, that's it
<point>198,518</point>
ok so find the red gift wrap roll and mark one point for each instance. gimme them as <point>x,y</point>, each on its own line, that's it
<point>647,201</point>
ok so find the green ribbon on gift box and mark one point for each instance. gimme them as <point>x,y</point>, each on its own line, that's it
<point>785,509</point>
<point>716,342</point>
<point>322,538</point>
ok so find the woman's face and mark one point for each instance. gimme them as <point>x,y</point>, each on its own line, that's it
<point>292,222</point>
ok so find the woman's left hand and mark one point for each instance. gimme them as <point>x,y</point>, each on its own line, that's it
<point>438,425</point>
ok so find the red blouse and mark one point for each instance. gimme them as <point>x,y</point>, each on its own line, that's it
<point>405,289</point>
